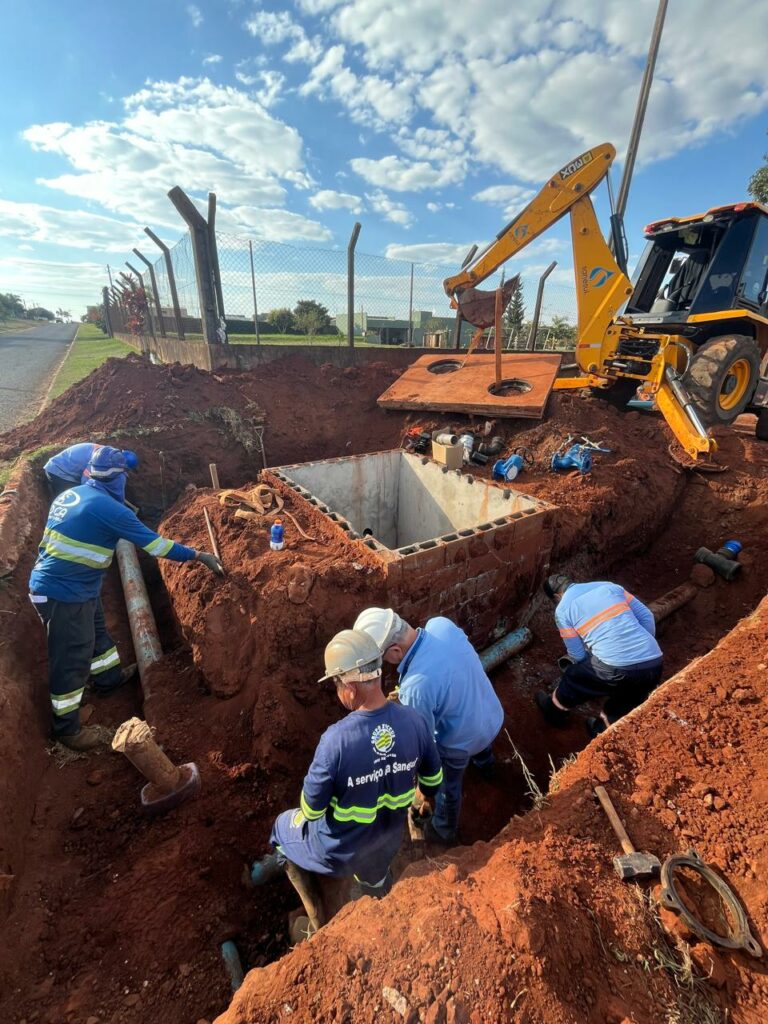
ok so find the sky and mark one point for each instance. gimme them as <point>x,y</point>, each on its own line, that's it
<point>430,123</point>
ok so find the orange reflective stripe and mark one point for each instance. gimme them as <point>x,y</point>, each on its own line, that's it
<point>601,617</point>
<point>628,597</point>
<point>566,633</point>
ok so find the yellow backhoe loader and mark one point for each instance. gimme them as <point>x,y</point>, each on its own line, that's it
<point>691,328</point>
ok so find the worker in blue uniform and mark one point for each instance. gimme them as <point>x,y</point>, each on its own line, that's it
<point>610,638</point>
<point>359,787</point>
<point>66,469</point>
<point>84,525</point>
<point>62,471</point>
<point>442,677</point>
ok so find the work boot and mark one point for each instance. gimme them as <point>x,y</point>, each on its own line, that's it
<point>264,871</point>
<point>88,738</point>
<point>127,674</point>
<point>595,726</point>
<point>552,714</point>
<point>431,835</point>
<point>358,889</point>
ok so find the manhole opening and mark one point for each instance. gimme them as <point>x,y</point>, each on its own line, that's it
<point>399,501</point>
<point>510,386</point>
<point>444,366</point>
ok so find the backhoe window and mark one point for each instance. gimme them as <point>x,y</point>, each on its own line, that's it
<point>718,290</point>
<point>672,268</point>
<point>752,287</point>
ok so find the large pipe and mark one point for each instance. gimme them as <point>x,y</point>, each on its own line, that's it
<point>233,963</point>
<point>146,640</point>
<point>666,604</point>
<point>503,649</point>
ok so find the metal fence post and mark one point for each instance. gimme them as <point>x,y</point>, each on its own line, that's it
<point>198,233</point>
<point>531,346</point>
<point>253,288</point>
<point>146,301</point>
<point>351,284</point>
<point>107,316</point>
<point>410,311</point>
<point>213,250</point>
<point>171,281</point>
<point>155,292</point>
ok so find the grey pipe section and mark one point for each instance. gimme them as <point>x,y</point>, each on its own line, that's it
<point>233,963</point>
<point>503,649</point>
<point>146,640</point>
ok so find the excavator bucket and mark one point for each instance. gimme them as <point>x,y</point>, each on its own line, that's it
<point>479,307</point>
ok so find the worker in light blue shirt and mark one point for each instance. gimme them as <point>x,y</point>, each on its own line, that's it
<point>441,676</point>
<point>66,469</point>
<point>610,638</point>
<point>84,525</point>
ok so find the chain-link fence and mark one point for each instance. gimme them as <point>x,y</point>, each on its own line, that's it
<point>274,292</point>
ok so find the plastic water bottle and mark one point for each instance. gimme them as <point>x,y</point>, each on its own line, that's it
<point>276,541</point>
<point>468,441</point>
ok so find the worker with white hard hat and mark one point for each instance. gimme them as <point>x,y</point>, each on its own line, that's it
<point>360,784</point>
<point>441,676</point>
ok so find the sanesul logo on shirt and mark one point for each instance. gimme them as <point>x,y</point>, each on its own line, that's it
<point>383,738</point>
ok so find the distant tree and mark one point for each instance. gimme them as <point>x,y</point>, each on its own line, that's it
<point>311,317</point>
<point>282,320</point>
<point>562,330</point>
<point>514,315</point>
<point>758,183</point>
<point>40,311</point>
<point>10,306</point>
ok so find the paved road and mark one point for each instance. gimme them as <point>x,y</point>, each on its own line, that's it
<point>28,360</point>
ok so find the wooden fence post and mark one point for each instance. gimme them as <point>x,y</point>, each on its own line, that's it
<point>198,232</point>
<point>155,292</point>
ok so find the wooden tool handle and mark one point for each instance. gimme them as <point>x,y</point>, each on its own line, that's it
<point>615,820</point>
<point>211,534</point>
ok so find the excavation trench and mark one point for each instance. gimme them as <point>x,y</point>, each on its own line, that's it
<point>113,901</point>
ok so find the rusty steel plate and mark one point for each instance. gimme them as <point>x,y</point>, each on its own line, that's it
<point>453,382</point>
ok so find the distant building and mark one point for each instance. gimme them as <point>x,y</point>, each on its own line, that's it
<point>426,329</point>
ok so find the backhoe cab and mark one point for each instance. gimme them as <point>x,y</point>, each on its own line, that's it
<point>692,326</point>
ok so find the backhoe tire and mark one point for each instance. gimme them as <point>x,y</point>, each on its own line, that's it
<point>721,377</point>
<point>761,427</point>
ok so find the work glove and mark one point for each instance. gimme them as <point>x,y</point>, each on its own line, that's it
<point>210,562</point>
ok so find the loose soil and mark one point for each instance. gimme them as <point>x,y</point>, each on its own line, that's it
<point>119,919</point>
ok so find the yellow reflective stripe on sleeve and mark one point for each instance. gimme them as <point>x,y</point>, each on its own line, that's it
<point>367,815</point>
<point>158,547</point>
<point>309,812</point>
<point>105,660</point>
<point>431,780</point>
<point>56,544</point>
<point>63,703</point>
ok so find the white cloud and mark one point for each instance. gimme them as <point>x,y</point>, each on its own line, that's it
<point>370,99</point>
<point>390,209</point>
<point>54,283</point>
<point>317,6</point>
<point>195,15</point>
<point>271,224</point>
<point>449,254</point>
<point>273,27</point>
<point>400,175</point>
<point>525,87</point>
<point>327,199</point>
<point>511,198</point>
<point>77,229</point>
<point>25,248</point>
<point>213,58</point>
<point>190,133</point>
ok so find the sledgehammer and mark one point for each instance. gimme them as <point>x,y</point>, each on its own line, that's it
<point>633,866</point>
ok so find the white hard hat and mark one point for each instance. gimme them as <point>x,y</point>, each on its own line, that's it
<point>348,652</point>
<point>380,623</point>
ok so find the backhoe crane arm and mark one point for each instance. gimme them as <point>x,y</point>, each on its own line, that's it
<point>571,183</point>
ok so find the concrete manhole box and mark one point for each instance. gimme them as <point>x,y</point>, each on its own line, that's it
<point>450,543</point>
